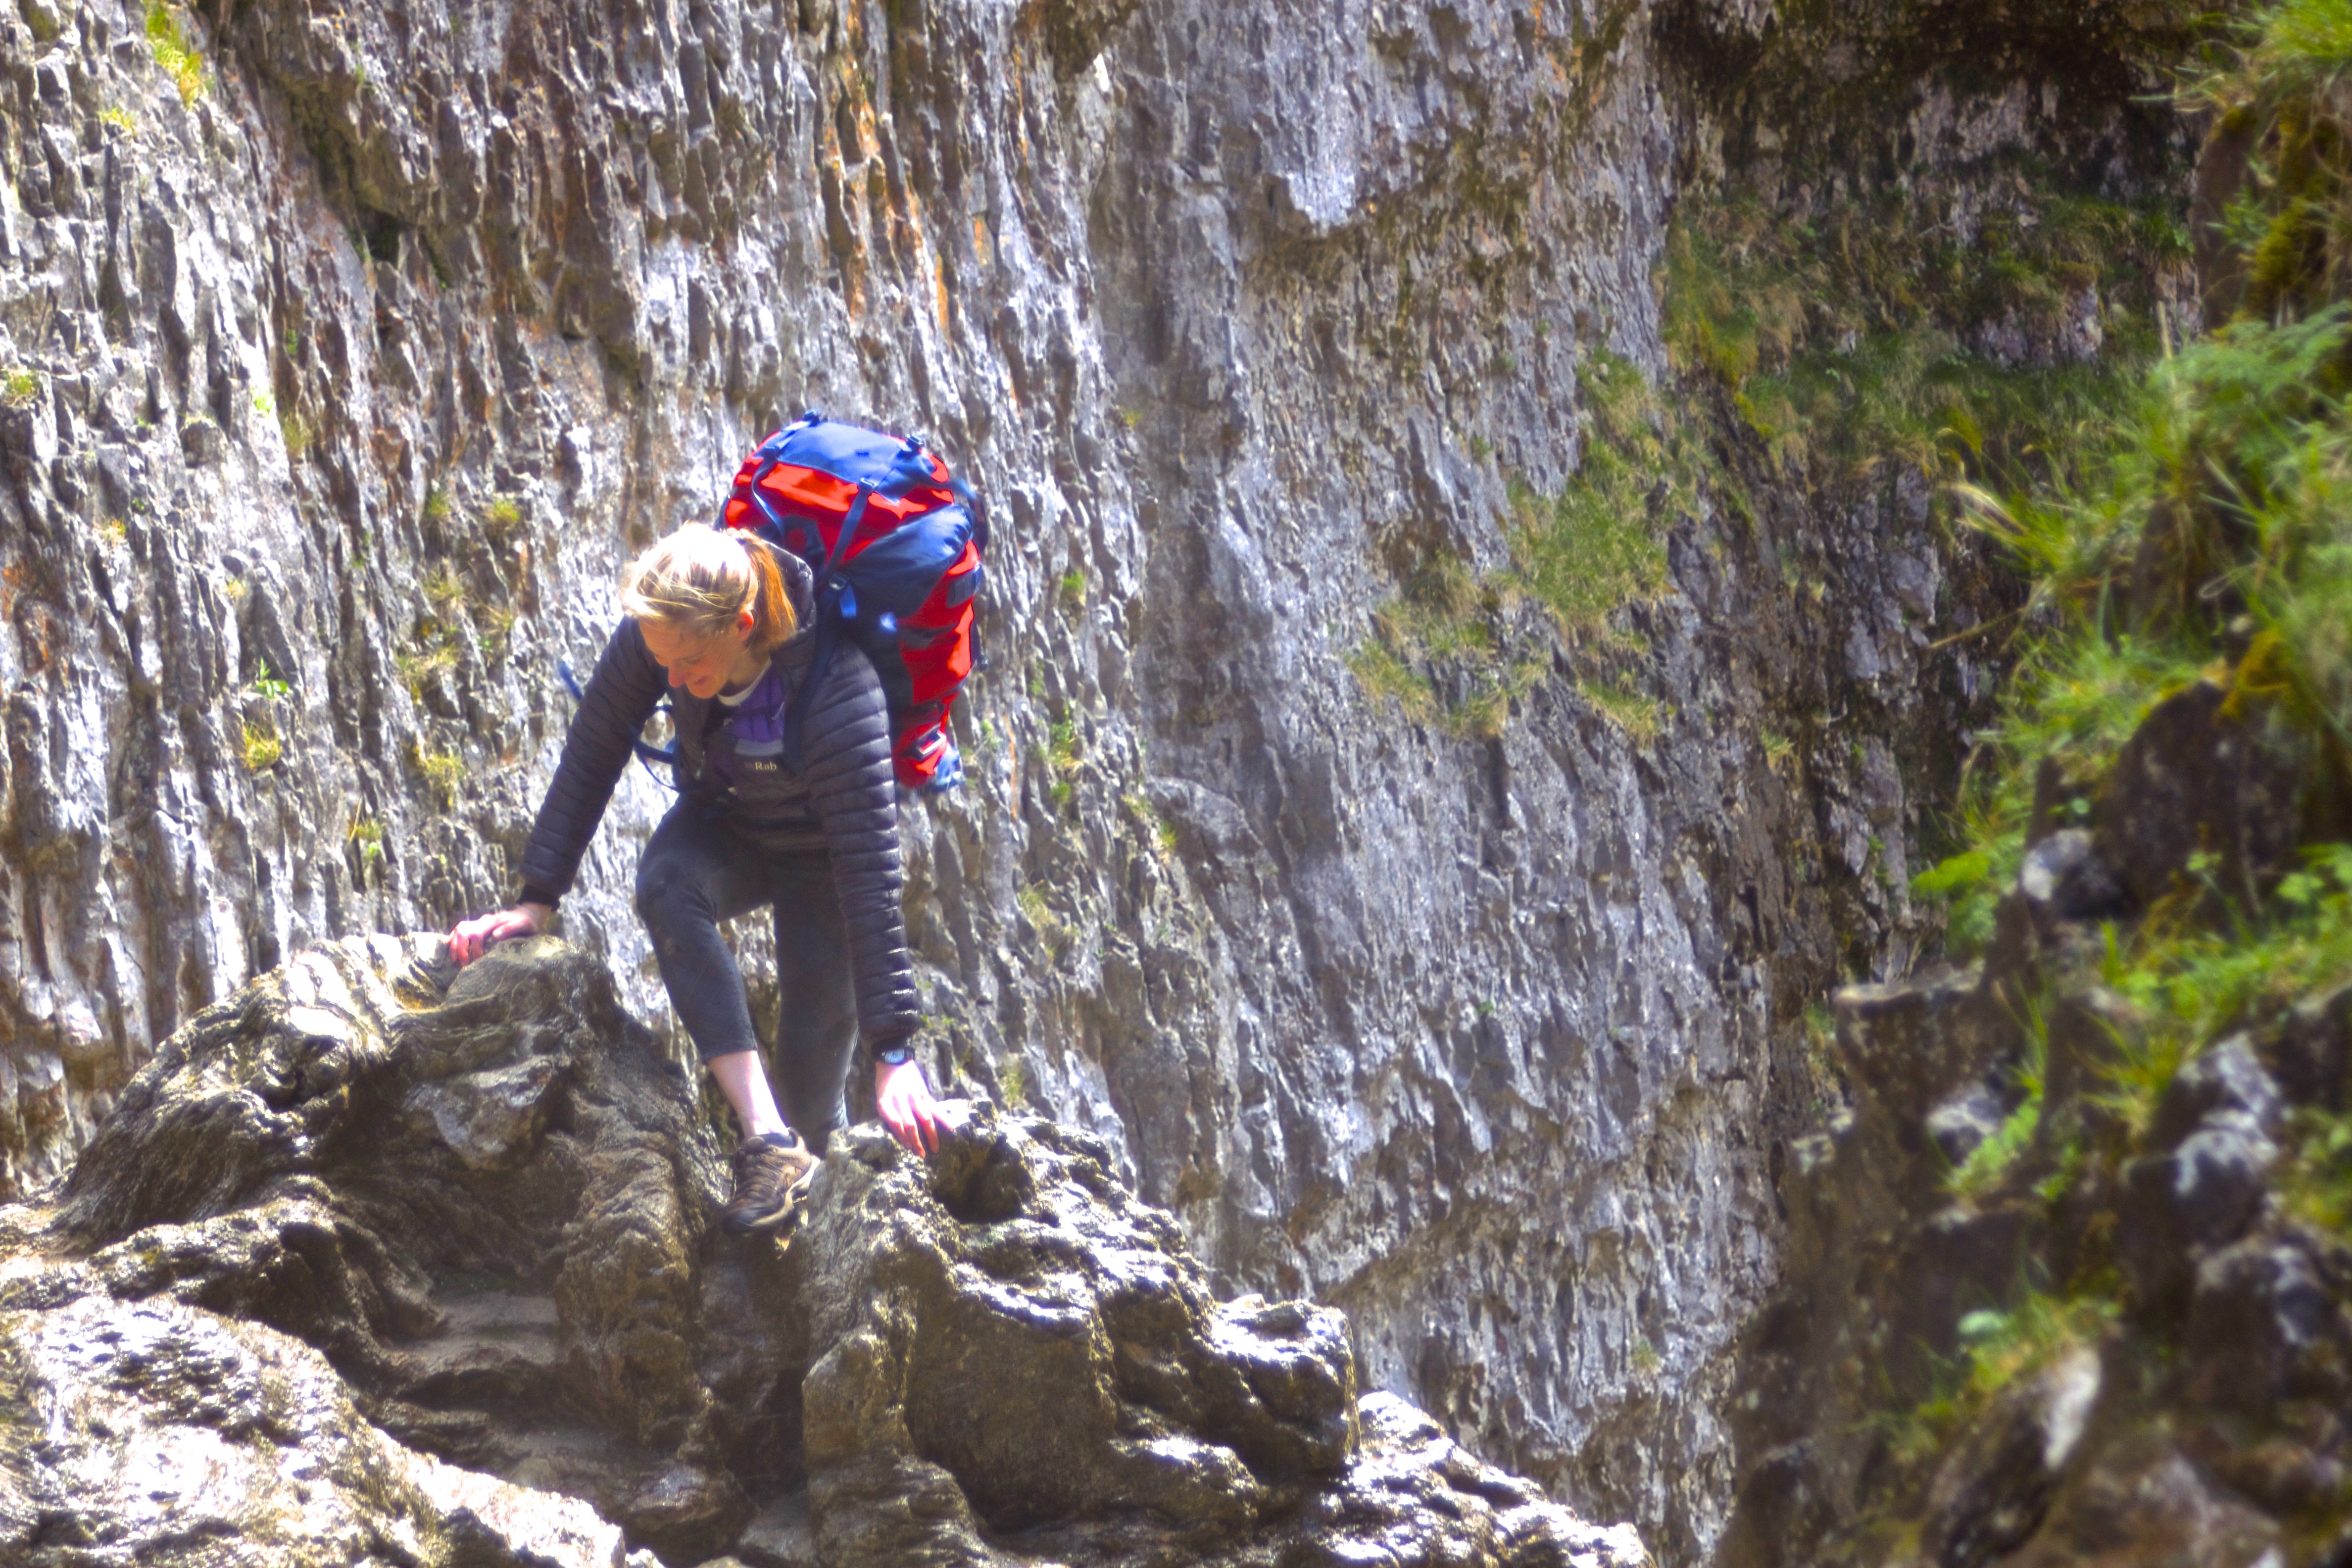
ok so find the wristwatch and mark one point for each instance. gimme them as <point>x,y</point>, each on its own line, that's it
<point>894,1054</point>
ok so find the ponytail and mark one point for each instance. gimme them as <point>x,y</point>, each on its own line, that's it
<point>700,580</point>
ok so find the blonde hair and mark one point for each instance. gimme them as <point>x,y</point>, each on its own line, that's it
<point>701,578</point>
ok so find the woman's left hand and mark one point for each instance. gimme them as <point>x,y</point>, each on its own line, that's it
<point>906,1107</point>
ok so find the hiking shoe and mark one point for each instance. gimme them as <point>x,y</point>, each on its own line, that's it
<point>772,1184</point>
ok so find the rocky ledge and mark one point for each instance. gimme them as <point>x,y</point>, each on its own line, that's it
<point>382,1262</point>
<point>2068,1282</point>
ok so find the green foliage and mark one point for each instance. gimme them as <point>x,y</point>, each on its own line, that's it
<point>1966,884</point>
<point>436,504</point>
<point>1958,872</point>
<point>1063,757</point>
<point>367,833</point>
<point>444,588</point>
<point>497,623</point>
<point>174,53</point>
<point>431,653</point>
<point>2279,97</point>
<point>19,387</point>
<point>1160,831</point>
<point>501,518</point>
<point>1840,334</point>
<point>1073,588</point>
<point>2317,1181</point>
<point>1486,705</point>
<point>295,431</point>
<point>1444,619</point>
<point>265,683</point>
<point>443,771</point>
<point>1034,909</point>
<point>115,115</point>
<point>1997,1349</point>
<point>2223,520</point>
<point>1598,546</point>
<point>1640,718</point>
<point>1384,674</point>
<point>1013,1080</point>
<point>260,743</point>
<point>2189,984</point>
<point>1440,649</point>
<point>1990,1161</point>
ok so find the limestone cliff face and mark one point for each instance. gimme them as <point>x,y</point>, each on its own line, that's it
<point>349,352</point>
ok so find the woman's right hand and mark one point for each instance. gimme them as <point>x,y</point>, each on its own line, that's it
<point>468,939</point>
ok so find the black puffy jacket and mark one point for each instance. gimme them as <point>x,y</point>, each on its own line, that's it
<point>842,796</point>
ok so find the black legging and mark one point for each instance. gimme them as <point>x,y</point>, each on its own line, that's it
<point>696,873</point>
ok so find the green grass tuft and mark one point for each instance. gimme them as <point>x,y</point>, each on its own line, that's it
<point>174,53</point>
<point>1639,717</point>
<point>443,771</point>
<point>261,746</point>
<point>1599,545</point>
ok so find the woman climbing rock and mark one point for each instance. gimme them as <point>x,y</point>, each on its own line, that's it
<point>722,620</point>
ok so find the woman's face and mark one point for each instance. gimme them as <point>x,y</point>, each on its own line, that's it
<point>700,665</point>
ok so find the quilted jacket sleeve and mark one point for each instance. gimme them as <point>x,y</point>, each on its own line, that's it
<point>845,748</point>
<point>621,696</point>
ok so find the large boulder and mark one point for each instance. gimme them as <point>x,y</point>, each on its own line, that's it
<point>411,1263</point>
<point>158,1432</point>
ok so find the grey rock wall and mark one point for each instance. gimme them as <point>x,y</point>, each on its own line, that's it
<point>338,389</point>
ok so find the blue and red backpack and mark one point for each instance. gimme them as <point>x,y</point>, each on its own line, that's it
<point>895,543</point>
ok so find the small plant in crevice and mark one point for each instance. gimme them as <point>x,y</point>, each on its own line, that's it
<point>1998,1348</point>
<point>442,588</point>
<point>1039,912</point>
<point>1385,676</point>
<point>19,387</point>
<point>174,52</point>
<point>1455,647</point>
<point>1449,623</point>
<point>1013,1080</point>
<point>1639,717</point>
<point>1063,757</point>
<point>120,118</point>
<point>1852,337</point>
<point>443,771</point>
<point>260,744</point>
<point>1990,1161</point>
<point>497,623</point>
<point>1599,546</point>
<point>430,654</point>
<point>366,836</point>
<point>1159,832</point>
<point>501,519</point>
